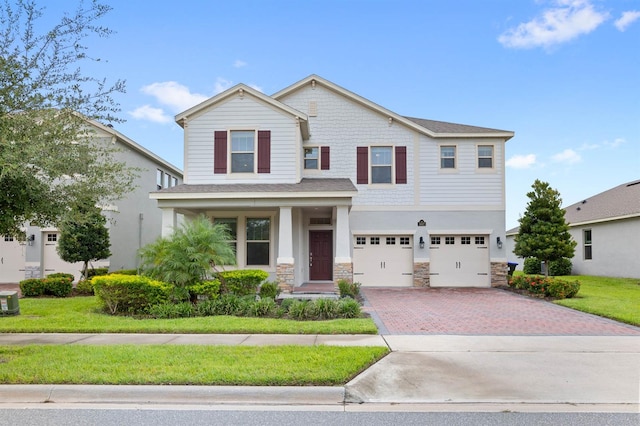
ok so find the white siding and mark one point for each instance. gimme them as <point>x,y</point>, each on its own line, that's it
<point>466,184</point>
<point>343,125</point>
<point>244,113</point>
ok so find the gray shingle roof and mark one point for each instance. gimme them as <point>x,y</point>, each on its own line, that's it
<point>305,185</point>
<point>444,127</point>
<point>623,200</point>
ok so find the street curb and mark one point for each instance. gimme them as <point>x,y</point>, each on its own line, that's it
<point>131,394</point>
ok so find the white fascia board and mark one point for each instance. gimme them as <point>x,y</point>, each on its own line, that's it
<point>249,195</point>
<point>608,219</point>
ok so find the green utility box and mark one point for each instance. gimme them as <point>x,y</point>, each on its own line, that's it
<point>9,304</point>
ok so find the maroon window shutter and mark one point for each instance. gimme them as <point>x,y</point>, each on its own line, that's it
<point>401,164</point>
<point>363,164</point>
<point>220,152</point>
<point>264,151</point>
<point>324,158</point>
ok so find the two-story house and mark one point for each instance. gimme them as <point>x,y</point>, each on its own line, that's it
<point>318,183</point>
<point>133,221</point>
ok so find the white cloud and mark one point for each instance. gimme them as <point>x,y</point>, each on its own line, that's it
<point>255,86</point>
<point>521,161</point>
<point>174,95</point>
<point>222,84</point>
<point>568,156</point>
<point>147,112</point>
<point>239,63</point>
<point>627,19</point>
<point>564,22</point>
<point>589,146</point>
<point>615,143</point>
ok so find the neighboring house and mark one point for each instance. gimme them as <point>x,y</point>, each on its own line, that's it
<point>607,230</point>
<point>319,184</point>
<point>133,221</point>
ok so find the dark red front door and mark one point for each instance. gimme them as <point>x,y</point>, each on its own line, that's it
<point>320,255</point>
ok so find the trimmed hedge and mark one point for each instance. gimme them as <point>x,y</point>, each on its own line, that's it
<point>209,289</point>
<point>57,285</point>
<point>243,282</point>
<point>130,294</point>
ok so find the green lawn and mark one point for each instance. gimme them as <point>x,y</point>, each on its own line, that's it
<point>82,315</point>
<point>615,298</point>
<point>185,365</point>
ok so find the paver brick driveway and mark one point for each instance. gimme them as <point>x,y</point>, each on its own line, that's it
<point>475,311</point>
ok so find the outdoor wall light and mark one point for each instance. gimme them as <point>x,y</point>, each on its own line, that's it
<point>421,242</point>
<point>499,242</point>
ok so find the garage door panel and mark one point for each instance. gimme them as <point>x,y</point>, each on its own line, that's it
<point>459,261</point>
<point>383,260</point>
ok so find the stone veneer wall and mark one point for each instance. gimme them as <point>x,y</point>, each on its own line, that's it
<point>498,274</point>
<point>421,274</point>
<point>342,271</point>
<point>285,276</point>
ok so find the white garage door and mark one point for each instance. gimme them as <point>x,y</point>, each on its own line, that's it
<point>383,260</point>
<point>11,260</point>
<point>459,261</point>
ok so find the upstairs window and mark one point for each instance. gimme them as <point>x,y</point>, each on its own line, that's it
<point>485,156</point>
<point>447,157</point>
<point>159,179</point>
<point>311,159</point>
<point>381,157</point>
<point>242,151</point>
<point>375,165</point>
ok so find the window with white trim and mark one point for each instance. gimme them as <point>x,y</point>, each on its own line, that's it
<point>391,241</point>
<point>381,161</point>
<point>374,241</point>
<point>485,156</point>
<point>479,241</point>
<point>311,158</point>
<point>435,241</point>
<point>404,241</point>
<point>258,241</point>
<point>242,151</point>
<point>587,244</point>
<point>8,238</point>
<point>447,157</point>
<point>465,240</point>
<point>361,241</point>
<point>449,240</point>
<point>159,179</point>
<point>52,238</point>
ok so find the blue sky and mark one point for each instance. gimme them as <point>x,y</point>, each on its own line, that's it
<point>564,75</point>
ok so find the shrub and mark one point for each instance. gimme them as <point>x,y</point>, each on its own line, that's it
<point>286,303</point>
<point>349,289</point>
<point>262,308</point>
<point>243,282</point>
<point>58,286</point>
<point>32,287</point>
<point>532,265</point>
<point>269,290</point>
<point>325,309</point>
<point>64,275</point>
<point>559,289</point>
<point>208,289</point>
<point>172,310</point>
<point>130,294</point>
<point>349,308</point>
<point>96,272</point>
<point>84,288</point>
<point>560,267</point>
<point>228,304</point>
<point>298,310</point>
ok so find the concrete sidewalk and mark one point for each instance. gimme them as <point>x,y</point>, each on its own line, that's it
<point>423,373</point>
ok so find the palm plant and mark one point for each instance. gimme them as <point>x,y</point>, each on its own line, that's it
<point>190,255</point>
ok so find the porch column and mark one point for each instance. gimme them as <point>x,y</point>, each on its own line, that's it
<point>169,221</point>
<point>342,267</point>
<point>285,261</point>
